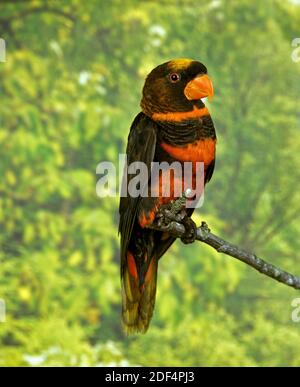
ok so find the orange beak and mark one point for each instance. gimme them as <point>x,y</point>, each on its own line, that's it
<point>199,87</point>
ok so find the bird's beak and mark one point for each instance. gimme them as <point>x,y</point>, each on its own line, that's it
<point>199,87</point>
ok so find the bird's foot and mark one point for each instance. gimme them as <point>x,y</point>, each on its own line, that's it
<point>166,218</point>
<point>171,212</point>
<point>176,209</point>
<point>190,231</point>
<point>175,212</point>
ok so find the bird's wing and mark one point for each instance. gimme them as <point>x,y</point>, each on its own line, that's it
<point>209,172</point>
<point>141,147</point>
<point>208,127</point>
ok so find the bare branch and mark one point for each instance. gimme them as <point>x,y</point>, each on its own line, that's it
<point>37,10</point>
<point>221,246</point>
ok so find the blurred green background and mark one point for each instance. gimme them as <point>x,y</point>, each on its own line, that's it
<point>69,89</point>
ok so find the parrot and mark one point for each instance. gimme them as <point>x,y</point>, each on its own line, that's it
<point>173,125</point>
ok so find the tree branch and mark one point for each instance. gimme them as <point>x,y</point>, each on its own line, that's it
<point>221,246</point>
<point>42,9</point>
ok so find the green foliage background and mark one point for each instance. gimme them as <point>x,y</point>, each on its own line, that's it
<point>69,90</point>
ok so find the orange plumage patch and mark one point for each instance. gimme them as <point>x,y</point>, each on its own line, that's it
<point>180,116</point>
<point>148,218</point>
<point>202,151</point>
<point>131,265</point>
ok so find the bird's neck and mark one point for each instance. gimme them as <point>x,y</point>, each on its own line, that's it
<point>180,128</point>
<point>171,109</point>
<point>179,117</point>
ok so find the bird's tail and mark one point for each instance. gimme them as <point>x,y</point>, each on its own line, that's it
<point>138,295</point>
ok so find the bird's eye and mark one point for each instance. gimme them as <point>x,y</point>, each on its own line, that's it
<point>174,77</point>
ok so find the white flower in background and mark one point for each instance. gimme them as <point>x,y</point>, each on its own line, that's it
<point>158,34</point>
<point>84,77</point>
<point>55,47</point>
<point>157,30</point>
<point>215,4</point>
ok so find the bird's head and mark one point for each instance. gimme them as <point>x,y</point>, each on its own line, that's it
<point>176,86</point>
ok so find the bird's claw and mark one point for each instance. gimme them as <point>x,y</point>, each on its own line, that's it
<point>172,212</point>
<point>175,212</point>
<point>190,231</point>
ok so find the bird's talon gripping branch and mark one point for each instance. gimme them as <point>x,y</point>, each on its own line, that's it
<point>174,211</point>
<point>190,234</point>
<point>177,207</point>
